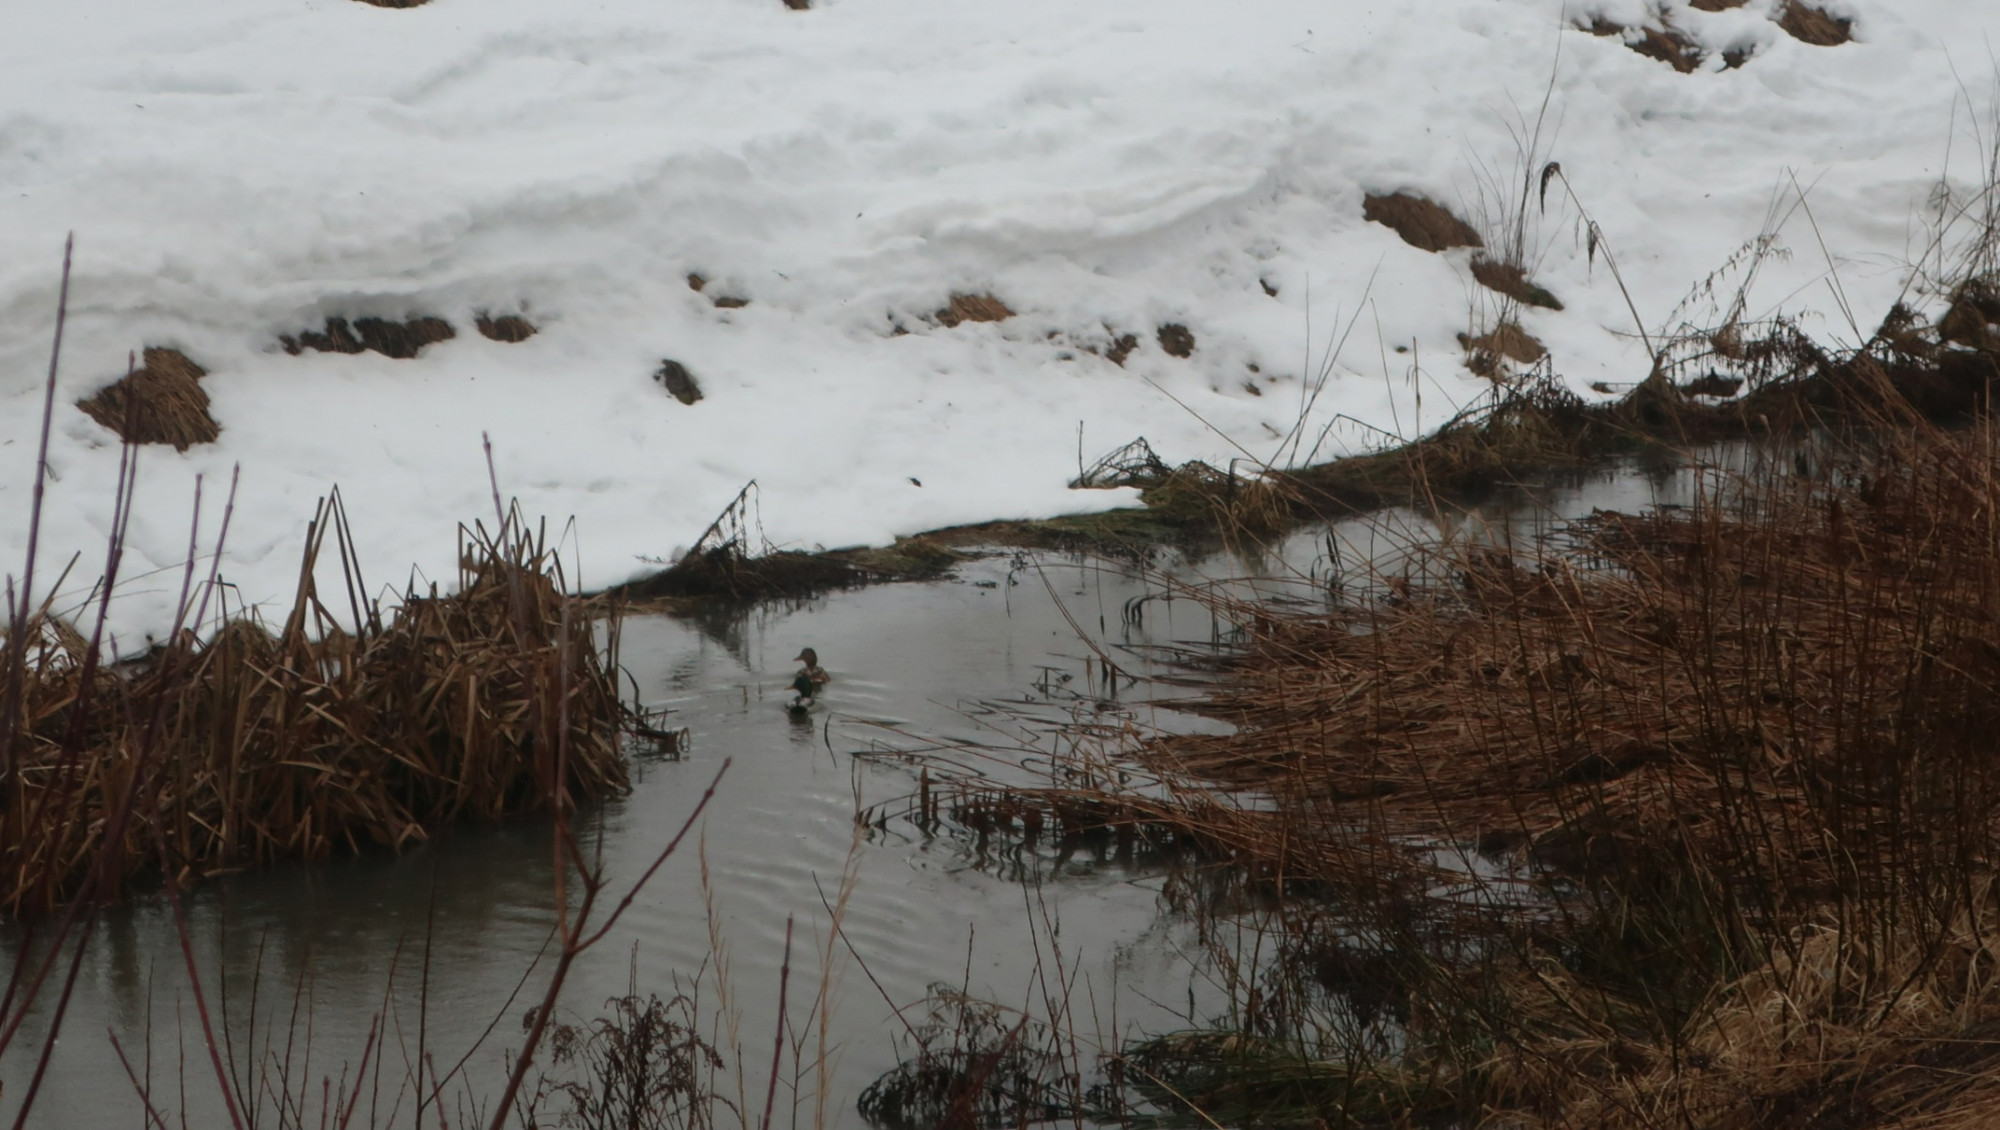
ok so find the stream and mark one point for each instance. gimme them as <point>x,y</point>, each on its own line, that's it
<point>442,943</point>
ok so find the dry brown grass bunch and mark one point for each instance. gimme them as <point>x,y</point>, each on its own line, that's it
<point>162,402</point>
<point>1688,821</point>
<point>257,745</point>
<point>1422,223</point>
<point>972,308</point>
<point>1488,354</point>
<point>402,340</point>
<point>1809,24</point>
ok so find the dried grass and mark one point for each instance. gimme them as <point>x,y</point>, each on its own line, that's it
<point>1176,339</point>
<point>1512,280</point>
<point>1808,24</point>
<point>1731,769</point>
<point>1486,353</point>
<point>314,739</point>
<point>675,378</point>
<point>402,340</point>
<point>1422,223</point>
<point>511,329</point>
<point>972,308</point>
<point>163,402</point>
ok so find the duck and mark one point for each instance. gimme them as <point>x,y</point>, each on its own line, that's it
<point>809,680</point>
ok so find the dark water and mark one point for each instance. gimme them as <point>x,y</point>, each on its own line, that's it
<point>442,943</point>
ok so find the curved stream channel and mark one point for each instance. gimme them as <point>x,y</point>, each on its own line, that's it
<point>348,940</point>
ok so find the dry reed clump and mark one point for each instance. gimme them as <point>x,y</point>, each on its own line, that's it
<point>162,402</point>
<point>1731,770</point>
<point>255,746</point>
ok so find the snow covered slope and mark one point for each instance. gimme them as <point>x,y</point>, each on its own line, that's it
<point>239,170</point>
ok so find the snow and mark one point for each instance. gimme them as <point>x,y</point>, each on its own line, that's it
<point>241,169</point>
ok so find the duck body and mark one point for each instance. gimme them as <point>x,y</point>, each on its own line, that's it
<point>807,683</point>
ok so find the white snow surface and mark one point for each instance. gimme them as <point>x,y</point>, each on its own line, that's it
<point>235,170</point>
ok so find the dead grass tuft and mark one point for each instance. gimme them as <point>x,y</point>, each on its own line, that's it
<point>1121,347</point>
<point>699,285</point>
<point>675,377</point>
<point>1512,281</point>
<point>1176,339</point>
<point>509,328</point>
<point>402,340</point>
<point>163,402</point>
<point>314,739</point>
<point>1486,353</point>
<point>1420,222</point>
<point>1808,24</point>
<point>972,308</point>
<point>1667,43</point>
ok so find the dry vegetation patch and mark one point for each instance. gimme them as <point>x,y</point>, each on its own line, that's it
<point>509,328</point>
<point>162,402</point>
<point>1667,43</point>
<point>699,285</point>
<point>402,340</point>
<point>1485,354</point>
<point>1176,339</point>
<point>257,745</point>
<point>1730,769</point>
<point>1420,222</point>
<point>676,379</point>
<point>1808,24</point>
<point>972,308</point>
<point>1120,348</point>
<point>1512,281</point>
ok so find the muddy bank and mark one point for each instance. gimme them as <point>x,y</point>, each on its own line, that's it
<point>1738,382</point>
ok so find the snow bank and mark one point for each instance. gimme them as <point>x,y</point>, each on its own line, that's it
<point>241,169</point>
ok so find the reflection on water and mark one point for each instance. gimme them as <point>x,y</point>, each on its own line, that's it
<point>442,939</point>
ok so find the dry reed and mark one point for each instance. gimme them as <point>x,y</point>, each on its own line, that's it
<point>1687,821</point>
<point>317,738</point>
